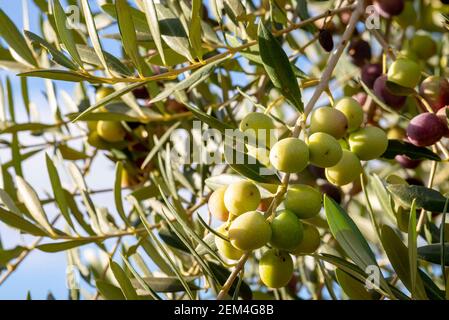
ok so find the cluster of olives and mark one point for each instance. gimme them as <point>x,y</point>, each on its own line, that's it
<point>247,229</point>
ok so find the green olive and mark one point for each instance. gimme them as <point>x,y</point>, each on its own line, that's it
<point>368,143</point>
<point>404,72</point>
<point>329,120</point>
<point>225,248</point>
<point>111,131</point>
<point>286,231</point>
<point>275,268</point>
<point>352,110</point>
<point>303,200</point>
<point>325,151</point>
<point>241,197</point>
<point>249,231</point>
<point>345,171</point>
<point>289,155</point>
<point>217,206</point>
<point>423,46</point>
<point>259,121</point>
<point>103,92</point>
<point>310,242</point>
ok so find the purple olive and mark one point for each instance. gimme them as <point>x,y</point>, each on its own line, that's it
<point>317,172</point>
<point>331,191</point>
<point>360,52</point>
<point>141,93</point>
<point>360,97</point>
<point>370,72</point>
<point>389,8</point>
<point>383,93</point>
<point>436,92</point>
<point>406,162</point>
<point>326,40</point>
<point>425,129</point>
<point>443,117</point>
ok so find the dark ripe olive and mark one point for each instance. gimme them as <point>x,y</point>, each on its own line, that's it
<point>425,129</point>
<point>406,162</point>
<point>445,1</point>
<point>436,92</point>
<point>414,181</point>
<point>370,72</point>
<point>360,52</point>
<point>389,8</point>
<point>442,114</point>
<point>382,92</point>
<point>141,93</point>
<point>326,40</point>
<point>331,191</point>
<point>317,172</point>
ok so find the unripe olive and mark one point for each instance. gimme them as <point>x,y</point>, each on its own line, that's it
<point>360,51</point>
<point>423,46</point>
<point>370,72</point>
<point>286,231</point>
<point>111,131</point>
<point>289,155</point>
<point>345,171</point>
<point>103,92</point>
<point>408,16</point>
<point>436,92</point>
<point>241,197</point>
<point>275,268</point>
<point>225,248</point>
<point>368,143</point>
<point>353,112</point>
<point>329,120</point>
<point>384,93</point>
<point>389,8</point>
<point>259,121</point>
<point>249,231</point>
<point>303,200</point>
<point>425,129</point>
<point>405,72</point>
<point>324,150</point>
<point>217,206</point>
<point>310,242</point>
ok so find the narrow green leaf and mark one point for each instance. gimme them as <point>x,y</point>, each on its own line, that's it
<point>109,291</point>
<point>397,147</point>
<point>118,192</point>
<point>195,28</point>
<point>32,203</point>
<point>166,284</point>
<point>142,283</point>
<point>125,283</point>
<point>432,253</point>
<point>65,34</point>
<point>412,251</point>
<point>355,289</point>
<point>278,67</point>
<point>89,56</point>
<point>58,191</point>
<point>62,246</point>
<point>426,198</point>
<point>62,75</point>
<point>152,18</point>
<point>15,40</point>
<point>15,221</point>
<point>10,254</point>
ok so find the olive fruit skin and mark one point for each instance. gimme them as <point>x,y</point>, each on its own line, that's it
<point>360,51</point>
<point>405,72</point>
<point>347,170</point>
<point>310,242</point>
<point>383,93</point>
<point>225,248</point>
<point>368,143</point>
<point>443,117</point>
<point>353,112</point>
<point>436,92</point>
<point>111,131</point>
<point>406,162</point>
<point>275,268</point>
<point>326,40</point>
<point>216,204</point>
<point>286,231</point>
<point>289,155</point>
<point>249,231</point>
<point>103,92</point>
<point>303,200</point>
<point>324,150</point>
<point>425,129</point>
<point>241,197</point>
<point>329,120</point>
<point>331,191</point>
<point>141,93</point>
<point>370,72</point>
<point>389,8</point>
<point>423,46</point>
<point>258,121</point>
